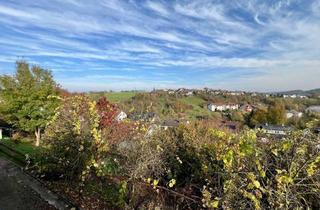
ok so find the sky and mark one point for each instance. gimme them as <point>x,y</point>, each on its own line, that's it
<point>95,45</point>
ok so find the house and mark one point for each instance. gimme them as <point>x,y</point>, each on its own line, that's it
<point>212,107</point>
<point>293,113</point>
<point>246,108</point>
<point>293,96</point>
<point>189,93</point>
<point>302,96</point>
<point>313,109</point>
<point>5,129</point>
<point>278,130</point>
<point>238,93</point>
<point>222,107</point>
<point>121,116</point>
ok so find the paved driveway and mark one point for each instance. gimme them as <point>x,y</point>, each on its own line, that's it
<point>16,192</point>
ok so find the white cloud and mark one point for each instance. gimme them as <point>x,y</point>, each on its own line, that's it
<point>11,12</point>
<point>157,7</point>
<point>160,34</point>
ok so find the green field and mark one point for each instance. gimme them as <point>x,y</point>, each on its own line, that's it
<point>198,104</point>
<point>114,97</point>
<point>118,97</point>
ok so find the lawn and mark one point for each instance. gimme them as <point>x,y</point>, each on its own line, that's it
<point>16,151</point>
<point>24,147</point>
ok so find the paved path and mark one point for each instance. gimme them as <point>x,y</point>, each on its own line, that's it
<point>18,191</point>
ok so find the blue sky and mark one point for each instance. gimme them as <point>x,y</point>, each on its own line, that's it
<point>142,44</point>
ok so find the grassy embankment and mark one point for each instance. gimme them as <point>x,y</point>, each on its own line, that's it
<point>199,107</point>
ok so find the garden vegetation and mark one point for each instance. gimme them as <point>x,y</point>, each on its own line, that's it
<point>120,165</point>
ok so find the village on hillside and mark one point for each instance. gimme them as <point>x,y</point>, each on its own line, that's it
<point>118,140</point>
<point>232,110</point>
<point>159,105</point>
<point>228,109</point>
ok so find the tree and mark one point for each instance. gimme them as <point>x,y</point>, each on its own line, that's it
<point>258,116</point>
<point>28,98</point>
<point>236,116</point>
<point>277,113</point>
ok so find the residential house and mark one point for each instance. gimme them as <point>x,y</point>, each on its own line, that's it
<point>313,109</point>
<point>302,96</point>
<point>293,96</point>
<point>293,113</point>
<point>5,129</point>
<point>237,93</point>
<point>246,108</point>
<point>222,107</point>
<point>189,93</point>
<point>121,116</point>
<point>279,130</point>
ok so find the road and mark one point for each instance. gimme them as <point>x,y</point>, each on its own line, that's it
<point>16,192</point>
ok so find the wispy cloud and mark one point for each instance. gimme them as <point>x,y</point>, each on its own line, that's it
<point>155,42</point>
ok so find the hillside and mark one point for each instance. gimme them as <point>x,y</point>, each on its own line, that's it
<point>301,92</point>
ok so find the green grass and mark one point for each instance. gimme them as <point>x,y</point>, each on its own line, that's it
<point>197,104</point>
<point>24,147</point>
<point>117,97</point>
<point>195,101</point>
<point>114,97</point>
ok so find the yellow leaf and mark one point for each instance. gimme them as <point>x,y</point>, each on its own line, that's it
<point>172,183</point>
<point>250,186</point>
<point>275,152</point>
<point>256,184</point>
<point>155,183</point>
<point>214,204</point>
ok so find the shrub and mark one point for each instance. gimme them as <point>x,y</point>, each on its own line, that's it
<point>193,166</point>
<point>197,167</point>
<point>73,140</point>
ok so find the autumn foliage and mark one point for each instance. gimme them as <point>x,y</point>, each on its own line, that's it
<point>193,166</point>
<point>107,112</point>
